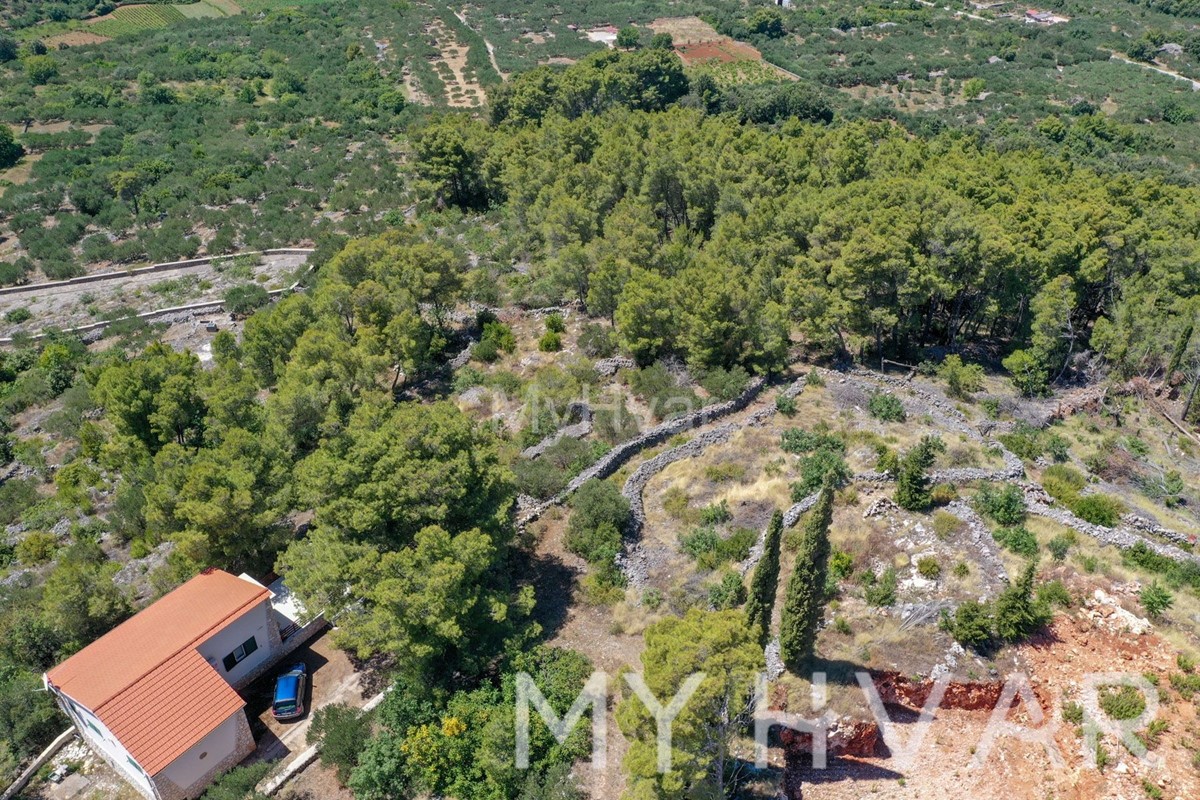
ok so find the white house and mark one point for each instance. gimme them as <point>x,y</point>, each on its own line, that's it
<point>155,696</point>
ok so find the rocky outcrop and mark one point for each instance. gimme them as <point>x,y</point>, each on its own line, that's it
<point>610,366</point>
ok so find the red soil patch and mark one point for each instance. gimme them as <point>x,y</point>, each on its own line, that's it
<point>723,51</point>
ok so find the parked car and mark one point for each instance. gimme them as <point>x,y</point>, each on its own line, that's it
<point>289,693</point>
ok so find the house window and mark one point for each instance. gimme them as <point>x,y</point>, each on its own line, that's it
<point>244,649</point>
<point>92,725</point>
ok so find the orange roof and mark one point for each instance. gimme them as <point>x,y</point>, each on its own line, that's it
<point>145,680</point>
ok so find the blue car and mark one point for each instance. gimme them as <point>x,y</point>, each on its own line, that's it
<point>289,693</point>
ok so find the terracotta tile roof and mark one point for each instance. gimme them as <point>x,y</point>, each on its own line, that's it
<point>145,680</point>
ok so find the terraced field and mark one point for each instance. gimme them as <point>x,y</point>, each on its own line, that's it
<point>136,18</point>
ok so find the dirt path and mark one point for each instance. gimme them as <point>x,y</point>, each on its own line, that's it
<point>1154,68</point>
<point>462,17</point>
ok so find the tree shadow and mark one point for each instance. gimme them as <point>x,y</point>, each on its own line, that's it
<point>840,768</point>
<point>554,584</point>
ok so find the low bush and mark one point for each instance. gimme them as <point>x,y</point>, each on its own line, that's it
<point>1122,702</point>
<point>928,567</point>
<point>1005,505</point>
<point>597,341</point>
<point>886,407</point>
<point>716,513</point>
<point>962,380</point>
<point>245,299</point>
<point>724,384</point>
<point>946,524</point>
<point>661,392</point>
<point>37,547</point>
<point>343,733</point>
<point>710,551</point>
<point>730,592</point>
<point>880,590</point>
<point>1063,483</point>
<point>800,441</point>
<point>1017,540</point>
<point>1060,546</point>
<point>1099,509</point>
<point>943,494</point>
<point>599,513</point>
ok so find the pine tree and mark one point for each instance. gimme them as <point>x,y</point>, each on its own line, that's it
<point>765,581</point>
<point>804,604</point>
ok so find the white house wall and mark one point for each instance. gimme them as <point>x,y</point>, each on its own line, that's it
<point>258,622</point>
<point>97,734</point>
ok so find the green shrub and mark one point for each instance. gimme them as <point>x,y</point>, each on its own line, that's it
<point>716,513</point>
<point>243,300</point>
<point>1099,509</point>
<point>1060,545</point>
<point>711,551</point>
<point>1122,702</point>
<point>18,315</point>
<point>555,324</point>
<point>1186,662</point>
<point>961,570</point>
<point>652,599</point>
<point>1006,505</point>
<point>1017,540</point>
<point>1063,483</point>
<point>724,384</point>
<point>597,341</point>
<point>943,494</point>
<point>547,475</point>
<point>971,625</point>
<point>785,405</point>
<point>16,495</point>
<point>550,342</point>
<point>815,469</point>
<point>239,783</point>
<point>496,338</point>
<point>1155,599</point>
<point>730,592</point>
<point>962,380</point>
<point>946,524</point>
<point>1072,713</point>
<point>343,733</point>
<point>37,547</point>
<point>842,626</point>
<point>660,391</point>
<point>886,407</point>
<point>1055,593</point>
<point>723,473</point>
<point>841,565</point>
<point>928,567</point>
<point>1025,441</point>
<point>599,513</point>
<point>881,590</point>
<point>799,441</point>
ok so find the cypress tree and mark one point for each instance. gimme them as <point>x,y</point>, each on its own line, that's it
<point>804,603</point>
<point>765,581</point>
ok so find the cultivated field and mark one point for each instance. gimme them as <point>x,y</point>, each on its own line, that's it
<point>136,18</point>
